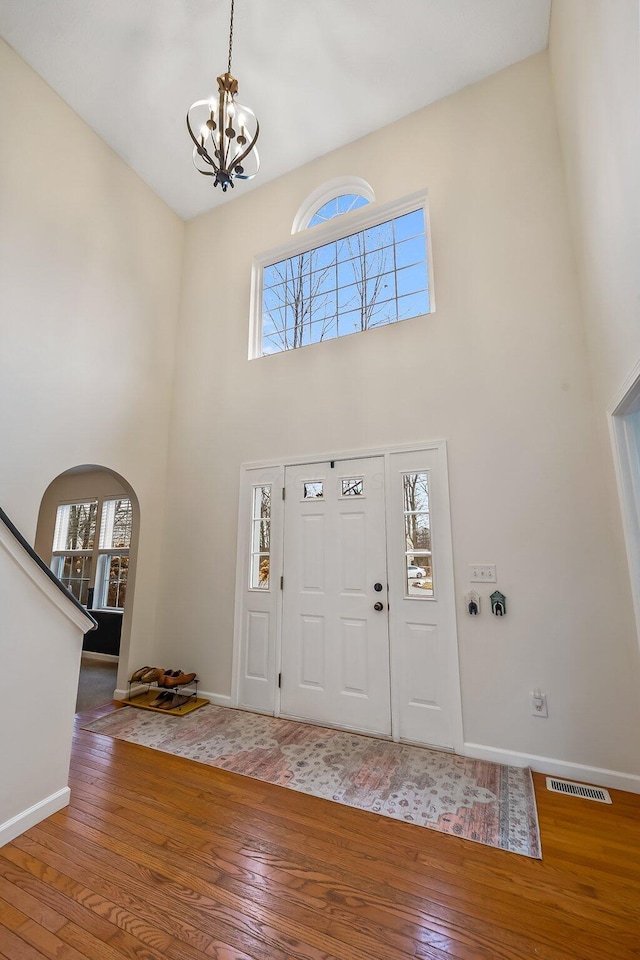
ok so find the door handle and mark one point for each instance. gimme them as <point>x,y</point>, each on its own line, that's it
<point>378,606</point>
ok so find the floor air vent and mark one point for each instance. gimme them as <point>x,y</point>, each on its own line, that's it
<point>578,790</point>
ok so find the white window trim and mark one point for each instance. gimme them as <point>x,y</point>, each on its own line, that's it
<point>335,229</point>
<point>101,586</point>
<point>329,191</point>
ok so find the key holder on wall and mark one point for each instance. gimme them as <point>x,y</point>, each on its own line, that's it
<point>472,603</point>
<point>498,604</point>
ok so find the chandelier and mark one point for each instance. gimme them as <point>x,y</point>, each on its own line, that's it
<point>224,132</point>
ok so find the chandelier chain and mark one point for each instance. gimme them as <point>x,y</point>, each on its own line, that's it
<point>230,36</point>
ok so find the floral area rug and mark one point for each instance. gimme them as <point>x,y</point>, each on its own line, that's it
<point>486,802</point>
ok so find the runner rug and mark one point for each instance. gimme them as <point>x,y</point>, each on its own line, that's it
<point>486,802</point>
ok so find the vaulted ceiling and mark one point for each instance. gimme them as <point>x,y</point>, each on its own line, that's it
<point>317,73</point>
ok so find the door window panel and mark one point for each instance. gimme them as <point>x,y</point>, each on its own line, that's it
<point>313,490</point>
<point>417,536</point>
<point>352,486</point>
<point>260,538</point>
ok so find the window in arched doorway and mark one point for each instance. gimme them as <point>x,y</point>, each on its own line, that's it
<point>94,567</point>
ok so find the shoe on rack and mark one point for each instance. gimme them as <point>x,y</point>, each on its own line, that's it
<point>180,680</point>
<point>153,673</point>
<point>138,673</point>
<point>160,701</point>
<point>174,700</point>
<point>168,674</point>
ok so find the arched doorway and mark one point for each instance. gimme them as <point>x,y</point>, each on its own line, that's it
<point>87,532</point>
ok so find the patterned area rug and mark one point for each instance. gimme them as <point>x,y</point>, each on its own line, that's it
<point>473,799</point>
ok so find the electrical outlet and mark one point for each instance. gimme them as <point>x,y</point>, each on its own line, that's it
<point>483,573</point>
<point>539,704</point>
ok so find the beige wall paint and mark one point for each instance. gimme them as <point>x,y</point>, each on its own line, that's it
<point>501,370</point>
<point>90,264</point>
<point>595,60</point>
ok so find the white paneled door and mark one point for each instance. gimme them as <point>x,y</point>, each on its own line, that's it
<point>361,629</point>
<point>335,626</point>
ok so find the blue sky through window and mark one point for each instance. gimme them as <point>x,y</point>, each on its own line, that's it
<point>368,279</point>
<point>334,208</point>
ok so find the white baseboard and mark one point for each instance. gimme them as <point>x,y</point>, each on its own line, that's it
<point>107,657</point>
<point>124,694</point>
<point>556,768</point>
<point>221,699</point>
<point>11,829</point>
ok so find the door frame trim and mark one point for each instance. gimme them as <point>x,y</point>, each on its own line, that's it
<point>278,465</point>
<point>625,442</point>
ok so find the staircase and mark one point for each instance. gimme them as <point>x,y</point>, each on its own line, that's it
<point>42,626</point>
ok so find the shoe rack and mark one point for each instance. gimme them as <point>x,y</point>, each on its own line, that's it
<point>171,700</point>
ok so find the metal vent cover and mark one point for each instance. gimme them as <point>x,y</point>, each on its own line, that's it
<point>584,790</point>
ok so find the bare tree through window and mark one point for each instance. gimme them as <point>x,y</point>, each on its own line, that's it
<point>417,530</point>
<point>81,531</point>
<point>367,279</point>
<point>261,537</point>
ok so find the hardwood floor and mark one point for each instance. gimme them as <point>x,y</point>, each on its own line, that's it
<point>159,857</point>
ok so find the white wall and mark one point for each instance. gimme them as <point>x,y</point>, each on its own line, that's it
<point>595,63</point>
<point>501,371</point>
<point>40,645</point>
<point>594,50</point>
<point>90,266</point>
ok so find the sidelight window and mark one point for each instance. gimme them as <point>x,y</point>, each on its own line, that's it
<point>417,536</point>
<point>261,538</point>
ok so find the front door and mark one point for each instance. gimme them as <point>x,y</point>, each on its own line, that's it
<point>335,627</point>
<point>350,534</point>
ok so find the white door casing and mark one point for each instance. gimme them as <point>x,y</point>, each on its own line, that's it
<point>335,644</point>
<point>424,672</point>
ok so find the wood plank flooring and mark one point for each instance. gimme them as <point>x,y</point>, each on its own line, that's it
<point>159,857</point>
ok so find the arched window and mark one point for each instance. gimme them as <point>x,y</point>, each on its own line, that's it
<point>332,199</point>
<point>345,203</point>
<point>351,266</point>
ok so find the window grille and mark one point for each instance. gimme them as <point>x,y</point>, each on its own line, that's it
<point>355,280</point>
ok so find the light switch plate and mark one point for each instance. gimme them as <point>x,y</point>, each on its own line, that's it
<point>482,573</point>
